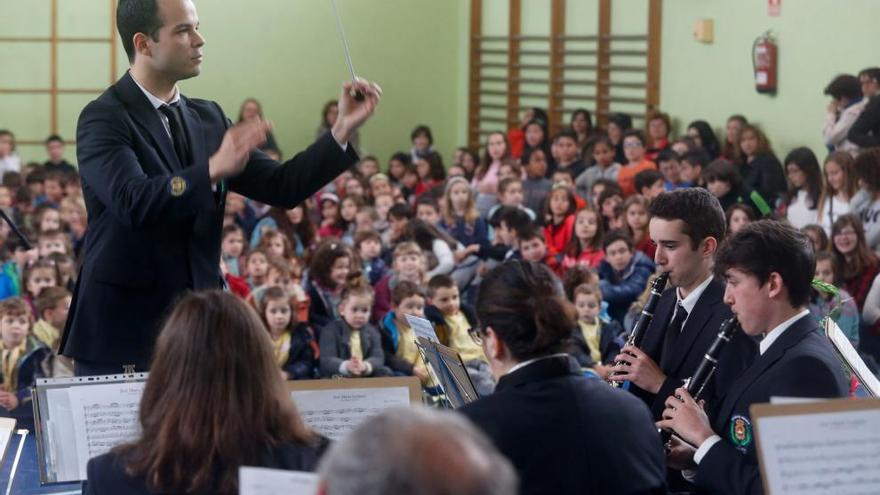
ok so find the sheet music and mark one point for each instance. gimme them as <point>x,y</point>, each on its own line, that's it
<point>333,413</point>
<point>7,428</point>
<point>422,328</point>
<point>265,481</point>
<point>104,416</point>
<point>852,358</point>
<point>823,453</point>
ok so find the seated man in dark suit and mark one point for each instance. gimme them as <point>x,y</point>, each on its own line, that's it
<point>769,267</point>
<point>687,225</point>
<point>156,167</point>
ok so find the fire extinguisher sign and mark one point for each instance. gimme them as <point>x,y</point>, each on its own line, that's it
<point>774,7</point>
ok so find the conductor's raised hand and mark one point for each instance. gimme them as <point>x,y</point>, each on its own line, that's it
<point>353,113</point>
<point>238,143</point>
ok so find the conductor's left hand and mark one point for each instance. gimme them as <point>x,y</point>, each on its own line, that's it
<point>353,113</point>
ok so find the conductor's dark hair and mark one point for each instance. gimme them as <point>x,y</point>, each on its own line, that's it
<point>844,86</point>
<point>769,246</point>
<point>523,303</point>
<point>137,16</point>
<point>699,211</point>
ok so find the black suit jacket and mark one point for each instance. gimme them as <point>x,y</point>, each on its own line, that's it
<point>700,330</point>
<point>154,223</point>
<point>567,434</point>
<point>800,363</point>
<point>106,473</point>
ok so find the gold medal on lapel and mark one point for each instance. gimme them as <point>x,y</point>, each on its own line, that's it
<point>178,186</point>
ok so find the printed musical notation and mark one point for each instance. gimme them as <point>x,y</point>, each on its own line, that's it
<point>104,416</point>
<point>822,453</point>
<point>334,413</point>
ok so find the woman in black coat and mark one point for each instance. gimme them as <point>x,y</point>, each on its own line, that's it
<point>564,433</point>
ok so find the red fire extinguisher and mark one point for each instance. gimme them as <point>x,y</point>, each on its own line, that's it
<point>765,58</point>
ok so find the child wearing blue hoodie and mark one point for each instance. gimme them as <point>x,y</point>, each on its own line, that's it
<point>398,338</point>
<point>623,273</point>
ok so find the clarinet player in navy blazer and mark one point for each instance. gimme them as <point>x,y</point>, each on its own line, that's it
<point>156,167</point>
<point>687,225</point>
<point>768,267</point>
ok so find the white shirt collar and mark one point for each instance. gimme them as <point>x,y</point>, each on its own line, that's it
<point>530,361</point>
<point>689,302</point>
<point>774,334</point>
<point>154,100</point>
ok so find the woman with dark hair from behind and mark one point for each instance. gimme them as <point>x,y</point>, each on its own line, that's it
<point>703,135</point>
<point>570,434</point>
<point>214,401</point>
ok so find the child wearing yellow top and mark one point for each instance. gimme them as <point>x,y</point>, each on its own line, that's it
<point>597,341</point>
<point>22,357</point>
<point>53,305</point>
<point>350,346</point>
<point>444,296</point>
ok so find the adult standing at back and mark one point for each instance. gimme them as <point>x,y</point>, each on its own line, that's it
<point>156,167</point>
<point>567,434</point>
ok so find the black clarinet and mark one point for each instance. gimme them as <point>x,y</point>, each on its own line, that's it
<point>697,383</point>
<point>638,331</point>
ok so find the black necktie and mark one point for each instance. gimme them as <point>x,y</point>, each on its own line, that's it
<point>674,328</point>
<point>178,135</point>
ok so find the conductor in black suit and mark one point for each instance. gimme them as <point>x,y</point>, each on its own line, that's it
<point>687,225</point>
<point>564,433</point>
<point>156,167</point>
<point>769,267</point>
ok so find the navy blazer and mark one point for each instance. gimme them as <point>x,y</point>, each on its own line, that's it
<point>800,363</point>
<point>154,224</point>
<point>698,333</point>
<point>106,473</point>
<point>567,434</point>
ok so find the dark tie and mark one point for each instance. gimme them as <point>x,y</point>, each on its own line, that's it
<point>178,134</point>
<point>674,328</point>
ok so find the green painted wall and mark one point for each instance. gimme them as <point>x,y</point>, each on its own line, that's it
<point>817,39</point>
<point>285,53</point>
